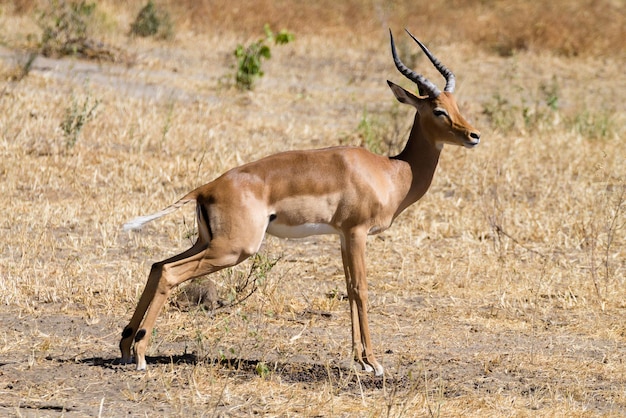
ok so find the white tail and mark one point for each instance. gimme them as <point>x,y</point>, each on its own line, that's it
<point>141,220</point>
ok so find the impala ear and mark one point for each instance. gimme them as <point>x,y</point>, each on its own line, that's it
<point>403,95</point>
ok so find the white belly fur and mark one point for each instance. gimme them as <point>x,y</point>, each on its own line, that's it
<point>299,231</point>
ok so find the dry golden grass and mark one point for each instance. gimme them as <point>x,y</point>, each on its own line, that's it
<point>499,294</point>
<point>569,28</point>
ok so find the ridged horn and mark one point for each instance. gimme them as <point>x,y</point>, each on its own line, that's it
<point>445,72</point>
<point>422,82</point>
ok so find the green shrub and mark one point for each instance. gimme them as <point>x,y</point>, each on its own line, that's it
<point>64,27</point>
<point>249,58</point>
<point>76,116</point>
<point>152,21</point>
<point>594,124</point>
<point>262,370</point>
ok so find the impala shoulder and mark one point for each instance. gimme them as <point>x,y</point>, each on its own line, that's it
<point>363,156</point>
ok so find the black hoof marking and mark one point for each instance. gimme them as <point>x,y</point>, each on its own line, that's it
<point>128,331</point>
<point>140,334</point>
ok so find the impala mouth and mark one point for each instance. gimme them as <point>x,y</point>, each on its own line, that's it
<point>471,144</point>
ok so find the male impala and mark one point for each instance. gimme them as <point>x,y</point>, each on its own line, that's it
<point>346,191</point>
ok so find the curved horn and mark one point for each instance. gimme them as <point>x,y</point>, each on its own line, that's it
<point>422,82</point>
<point>448,75</point>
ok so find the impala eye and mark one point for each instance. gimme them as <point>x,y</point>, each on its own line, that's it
<point>440,112</point>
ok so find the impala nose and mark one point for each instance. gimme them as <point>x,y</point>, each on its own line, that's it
<point>474,139</point>
<point>475,136</point>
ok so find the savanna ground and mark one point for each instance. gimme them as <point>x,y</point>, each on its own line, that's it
<point>500,293</point>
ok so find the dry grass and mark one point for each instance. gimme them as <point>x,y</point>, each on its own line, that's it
<point>499,294</point>
<point>570,28</point>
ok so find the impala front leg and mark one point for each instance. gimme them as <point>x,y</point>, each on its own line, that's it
<point>353,256</point>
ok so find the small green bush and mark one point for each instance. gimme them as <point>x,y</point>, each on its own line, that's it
<point>262,370</point>
<point>152,21</point>
<point>595,124</point>
<point>64,27</point>
<point>249,58</point>
<point>76,116</point>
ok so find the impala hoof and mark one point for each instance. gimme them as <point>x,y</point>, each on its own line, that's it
<point>141,364</point>
<point>124,360</point>
<point>378,370</point>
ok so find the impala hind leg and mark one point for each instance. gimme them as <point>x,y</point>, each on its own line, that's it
<point>353,257</point>
<point>147,296</point>
<point>200,260</point>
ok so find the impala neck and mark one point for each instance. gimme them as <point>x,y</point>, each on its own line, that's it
<point>422,157</point>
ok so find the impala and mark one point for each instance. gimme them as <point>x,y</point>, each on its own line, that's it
<point>347,191</point>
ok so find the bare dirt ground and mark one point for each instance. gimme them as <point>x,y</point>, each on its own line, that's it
<point>499,294</point>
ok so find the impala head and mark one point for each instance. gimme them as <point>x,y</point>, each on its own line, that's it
<point>439,115</point>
